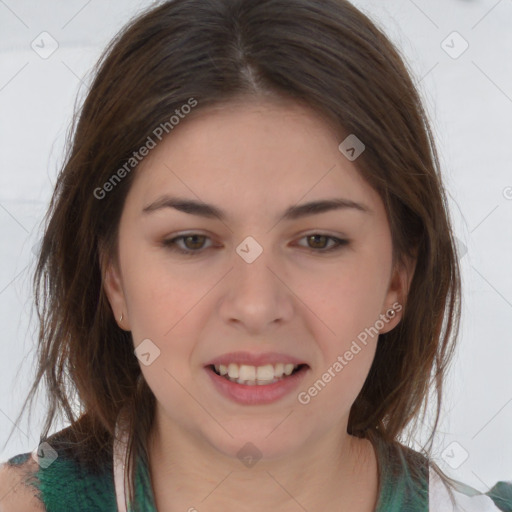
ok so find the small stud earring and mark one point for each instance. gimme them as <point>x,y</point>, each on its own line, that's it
<point>121,318</point>
<point>390,313</point>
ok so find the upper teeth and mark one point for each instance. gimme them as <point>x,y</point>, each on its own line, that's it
<point>244,372</point>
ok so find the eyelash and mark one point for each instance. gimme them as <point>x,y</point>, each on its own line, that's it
<point>172,245</point>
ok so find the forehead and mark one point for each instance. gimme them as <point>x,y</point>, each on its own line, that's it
<point>257,153</point>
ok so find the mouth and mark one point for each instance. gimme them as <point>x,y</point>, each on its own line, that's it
<point>269,379</point>
<point>250,378</point>
<point>249,375</point>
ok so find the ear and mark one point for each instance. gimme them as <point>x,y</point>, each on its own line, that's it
<point>398,291</point>
<point>113,286</point>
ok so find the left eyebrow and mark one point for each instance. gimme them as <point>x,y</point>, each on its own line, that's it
<point>202,209</point>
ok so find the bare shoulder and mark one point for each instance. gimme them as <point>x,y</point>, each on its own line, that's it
<point>16,493</point>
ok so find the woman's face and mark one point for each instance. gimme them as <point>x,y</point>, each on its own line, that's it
<point>256,291</point>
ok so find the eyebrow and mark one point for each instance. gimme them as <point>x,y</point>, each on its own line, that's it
<point>209,211</point>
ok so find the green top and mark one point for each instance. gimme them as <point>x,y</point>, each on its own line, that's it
<point>66,484</point>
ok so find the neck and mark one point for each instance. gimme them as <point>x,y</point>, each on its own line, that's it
<point>187,473</point>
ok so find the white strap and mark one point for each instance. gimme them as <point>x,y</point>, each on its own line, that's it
<point>120,477</point>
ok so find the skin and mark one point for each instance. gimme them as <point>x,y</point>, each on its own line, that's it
<point>254,159</point>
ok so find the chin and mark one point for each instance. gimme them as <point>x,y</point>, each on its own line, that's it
<point>250,444</point>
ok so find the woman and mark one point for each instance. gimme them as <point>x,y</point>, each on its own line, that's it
<point>248,274</point>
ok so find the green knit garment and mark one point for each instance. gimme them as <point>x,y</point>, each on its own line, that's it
<point>67,485</point>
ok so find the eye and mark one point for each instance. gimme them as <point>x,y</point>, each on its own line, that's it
<point>320,240</point>
<point>194,243</point>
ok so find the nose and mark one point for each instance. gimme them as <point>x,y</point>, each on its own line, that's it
<point>256,296</point>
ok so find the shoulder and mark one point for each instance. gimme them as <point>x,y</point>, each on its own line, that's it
<point>18,492</point>
<point>60,475</point>
<point>448,495</point>
<point>423,484</point>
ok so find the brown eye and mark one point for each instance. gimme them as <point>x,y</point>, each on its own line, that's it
<point>318,242</point>
<point>192,244</point>
<point>191,241</point>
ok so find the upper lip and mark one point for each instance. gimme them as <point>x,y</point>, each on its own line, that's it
<point>254,359</point>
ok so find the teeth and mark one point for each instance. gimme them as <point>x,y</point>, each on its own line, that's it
<point>255,375</point>
<point>232,370</point>
<point>278,370</point>
<point>246,372</point>
<point>288,369</point>
<point>265,372</point>
<point>255,382</point>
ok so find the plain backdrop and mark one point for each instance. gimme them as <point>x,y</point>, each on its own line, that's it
<point>465,79</point>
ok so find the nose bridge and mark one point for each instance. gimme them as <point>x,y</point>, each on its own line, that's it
<point>252,270</point>
<point>256,297</point>
<point>255,274</point>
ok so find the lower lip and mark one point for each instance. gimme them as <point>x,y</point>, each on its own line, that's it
<point>255,395</point>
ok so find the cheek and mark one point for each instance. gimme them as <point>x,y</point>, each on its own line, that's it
<point>158,295</point>
<point>347,348</point>
<point>348,299</point>
<point>166,306</point>
<point>161,308</point>
<point>348,303</point>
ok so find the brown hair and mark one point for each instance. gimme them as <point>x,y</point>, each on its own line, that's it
<point>324,53</point>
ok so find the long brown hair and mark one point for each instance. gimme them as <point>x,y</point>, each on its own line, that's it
<point>324,53</point>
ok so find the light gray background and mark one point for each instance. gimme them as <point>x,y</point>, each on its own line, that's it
<point>469,99</point>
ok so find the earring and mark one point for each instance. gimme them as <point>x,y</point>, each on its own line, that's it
<point>121,319</point>
<point>390,313</point>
